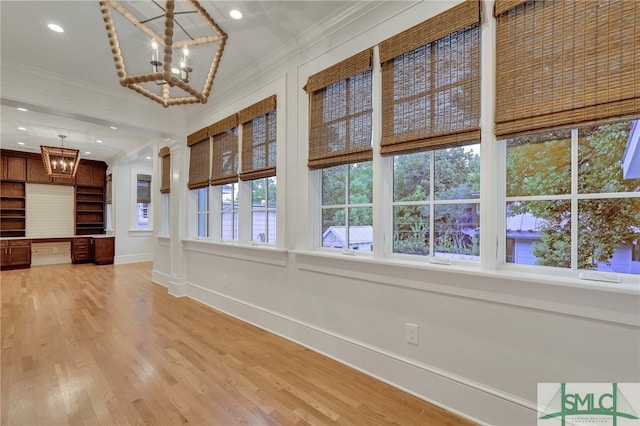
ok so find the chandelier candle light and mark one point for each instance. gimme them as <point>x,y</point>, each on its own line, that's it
<point>163,72</point>
<point>59,161</point>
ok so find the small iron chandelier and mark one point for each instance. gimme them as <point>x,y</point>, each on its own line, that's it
<point>59,161</point>
<point>164,72</point>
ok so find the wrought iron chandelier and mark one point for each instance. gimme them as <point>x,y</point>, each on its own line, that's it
<point>59,161</point>
<point>165,72</point>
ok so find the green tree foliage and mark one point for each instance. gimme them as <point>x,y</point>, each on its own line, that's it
<point>543,167</point>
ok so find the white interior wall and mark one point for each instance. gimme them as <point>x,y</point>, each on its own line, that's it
<point>131,244</point>
<point>486,338</point>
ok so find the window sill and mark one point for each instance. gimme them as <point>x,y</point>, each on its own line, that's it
<point>545,291</point>
<point>140,232</point>
<point>254,253</point>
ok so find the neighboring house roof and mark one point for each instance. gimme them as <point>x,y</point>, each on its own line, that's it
<point>631,157</point>
<point>357,234</point>
<point>525,222</point>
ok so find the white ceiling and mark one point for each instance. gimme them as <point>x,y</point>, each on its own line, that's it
<point>269,32</point>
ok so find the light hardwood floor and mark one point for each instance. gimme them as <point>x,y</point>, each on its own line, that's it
<point>86,344</point>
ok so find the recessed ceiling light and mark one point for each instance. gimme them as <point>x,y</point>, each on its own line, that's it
<point>22,109</point>
<point>21,128</point>
<point>99,141</point>
<point>148,158</point>
<point>87,152</point>
<point>114,127</point>
<point>21,143</point>
<point>55,28</point>
<point>235,14</point>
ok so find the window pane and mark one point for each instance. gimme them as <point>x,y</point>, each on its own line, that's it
<point>333,185</point>
<point>457,173</point>
<point>601,151</point>
<point>259,197</point>
<point>259,226</point>
<point>457,229</point>
<point>539,165</point>
<point>229,226</point>
<point>142,215</point>
<point>333,228</point>
<point>541,232</point>
<point>411,230</point>
<point>263,216</point>
<point>271,192</point>
<point>202,225</point>
<point>360,183</point>
<point>360,228</point>
<point>411,177</point>
<point>608,231</point>
<point>203,204</point>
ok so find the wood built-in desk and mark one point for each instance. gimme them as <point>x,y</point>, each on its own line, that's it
<point>99,249</point>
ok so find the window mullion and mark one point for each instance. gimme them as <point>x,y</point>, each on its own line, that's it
<point>432,209</point>
<point>347,177</point>
<point>574,199</point>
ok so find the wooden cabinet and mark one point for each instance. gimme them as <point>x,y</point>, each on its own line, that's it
<point>12,209</point>
<point>90,175</point>
<point>13,168</point>
<point>81,250</point>
<point>15,254</point>
<point>103,250</point>
<point>36,172</point>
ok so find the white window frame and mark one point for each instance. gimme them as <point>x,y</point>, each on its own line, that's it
<point>573,197</point>
<point>194,229</point>
<point>134,229</point>
<point>263,209</point>
<point>432,203</point>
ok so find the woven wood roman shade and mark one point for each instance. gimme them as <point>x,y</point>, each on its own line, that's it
<point>144,189</point>
<point>431,83</point>
<point>565,63</point>
<point>258,139</point>
<point>341,113</point>
<point>199,145</point>
<point>165,158</point>
<point>224,165</point>
<point>109,190</point>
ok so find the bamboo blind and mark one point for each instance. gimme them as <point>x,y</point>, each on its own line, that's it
<point>224,165</point>
<point>144,189</point>
<point>341,113</point>
<point>566,63</point>
<point>165,183</point>
<point>259,140</point>
<point>431,83</point>
<point>502,6</point>
<point>109,189</point>
<point>199,163</point>
<point>198,136</point>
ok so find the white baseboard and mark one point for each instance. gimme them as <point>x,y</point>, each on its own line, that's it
<point>132,258</point>
<point>469,399</point>
<point>174,288</point>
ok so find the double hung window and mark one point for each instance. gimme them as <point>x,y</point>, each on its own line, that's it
<point>566,109</point>
<point>430,127</point>
<point>341,107</point>
<point>259,166</point>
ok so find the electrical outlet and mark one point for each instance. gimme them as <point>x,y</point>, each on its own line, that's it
<point>411,333</point>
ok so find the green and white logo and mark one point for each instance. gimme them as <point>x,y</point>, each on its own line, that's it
<point>563,404</point>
